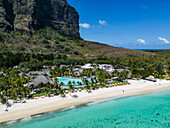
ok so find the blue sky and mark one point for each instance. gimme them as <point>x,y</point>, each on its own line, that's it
<point>135,24</point>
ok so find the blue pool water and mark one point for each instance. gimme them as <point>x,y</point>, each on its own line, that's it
<point>144,111</point>
<point>66,80</point>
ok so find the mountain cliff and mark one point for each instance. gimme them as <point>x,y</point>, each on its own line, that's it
<point>49,26</point>
<point>25,15</point>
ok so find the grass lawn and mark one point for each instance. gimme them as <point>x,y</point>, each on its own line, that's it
<point>118,82</point>
<point>39,94</point>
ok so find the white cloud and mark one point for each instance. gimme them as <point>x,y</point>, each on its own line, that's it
<point>85,25</point>
<point>164,40</point>
<point>102,22</point>
<point>141,41</point>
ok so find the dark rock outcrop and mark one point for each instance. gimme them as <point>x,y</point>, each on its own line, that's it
<point>24,15</point>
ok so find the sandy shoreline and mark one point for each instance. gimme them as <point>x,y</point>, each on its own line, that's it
<point>57,103</point>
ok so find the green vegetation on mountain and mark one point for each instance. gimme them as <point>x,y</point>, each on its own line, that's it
<point>49,41</point>
<point>160,52</point>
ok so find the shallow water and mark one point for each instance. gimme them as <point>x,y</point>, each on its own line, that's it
<point>144,111</point>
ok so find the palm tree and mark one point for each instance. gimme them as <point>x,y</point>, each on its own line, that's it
<point>20,97</point>
<point>71,88</point>
<point>3,99</point>
<point>61,92</point>
<point>25,92</point>
<point>55,80</point>
<point>61,84</point>
<point>101,80</point>
<point>87,83</point>
<point>74,84</point>
<point>15,91</point>
<point>93,82</point>
<point>32,86</point>
<point>81,84</point>
<point>13,97</point>
<point>46,90</point>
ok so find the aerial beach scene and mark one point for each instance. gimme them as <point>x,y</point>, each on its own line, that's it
<point>84,64</point>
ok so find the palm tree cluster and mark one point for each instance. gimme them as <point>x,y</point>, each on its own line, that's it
<point>11,86</point>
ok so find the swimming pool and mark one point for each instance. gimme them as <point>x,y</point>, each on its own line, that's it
<point>66,80</point>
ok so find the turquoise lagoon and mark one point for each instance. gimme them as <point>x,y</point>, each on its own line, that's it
<point>143,111</point>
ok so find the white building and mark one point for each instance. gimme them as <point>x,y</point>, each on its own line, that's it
<point>87,66</point>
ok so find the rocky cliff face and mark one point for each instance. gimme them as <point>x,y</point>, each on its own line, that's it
<point>24,15</point>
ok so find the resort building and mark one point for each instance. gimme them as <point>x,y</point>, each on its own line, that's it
<point>44,71</point>
<point>87,66</point>
<point>40,79</point>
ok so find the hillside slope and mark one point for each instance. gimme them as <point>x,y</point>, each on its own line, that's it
<point>34,26</point>
<point>50,41</point>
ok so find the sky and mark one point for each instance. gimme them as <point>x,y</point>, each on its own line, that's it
<point>134,24</point>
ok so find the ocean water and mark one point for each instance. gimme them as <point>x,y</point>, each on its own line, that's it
<point>143,111</point>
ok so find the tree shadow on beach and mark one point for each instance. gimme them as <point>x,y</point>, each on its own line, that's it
<point>63,96</point>
<point>74,96</point>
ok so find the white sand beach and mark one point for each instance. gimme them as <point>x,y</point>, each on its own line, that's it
<point>41,105</point>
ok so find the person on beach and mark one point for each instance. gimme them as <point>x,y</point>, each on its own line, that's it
<point>123,91</point>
